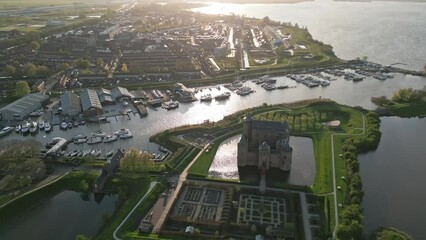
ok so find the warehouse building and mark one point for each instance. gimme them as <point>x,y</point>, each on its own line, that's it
<point>21,108</point>
<point>70,103</point>
<point>90,103</point>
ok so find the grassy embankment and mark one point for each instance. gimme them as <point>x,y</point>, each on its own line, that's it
<point>136,188</point>
<point>405,102</point>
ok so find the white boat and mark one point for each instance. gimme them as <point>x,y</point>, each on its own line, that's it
<point>99,134</point>
<point>222,96</point>
<point>18,128</point>
<point>33,127</point>
<point>75,124</point>
<point>25,127</point>
<point>80,140</point>
<point>206,98</point>
<point>41,124</point>
<point>98,152</point>
<point>74,153</point>
<point>122,131</point>
<point>78,137</point>
<point>94,140</point>
<point>93,153</point>
<point>110,138</point>
<point>86,152</point>
<point>5,131</point>
<point>126,135</point>
<point>47,127</point>
<point>110,153</point>
<point>64,125</point>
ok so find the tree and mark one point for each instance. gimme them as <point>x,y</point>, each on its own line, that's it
<point>124,68</point>
<point>82,237</point>
<point>136,161</point>
<point>253,229</point>
<point>87,72</point>
<point>29,69</point>
<point>81,63</point>
<point>35,45</point>
<point>22,89</point>
<point>424,70</point>
<point>42,71</point>
<point>99,61</point>
<point>83,186</point>
<point>10,70</point>
<point>63,66</point>
<point>266,20</point>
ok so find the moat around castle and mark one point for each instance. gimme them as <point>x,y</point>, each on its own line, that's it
<point>302,171</point>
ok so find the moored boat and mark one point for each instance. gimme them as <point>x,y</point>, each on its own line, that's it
<point>47,127</point>
<point>6,130</point>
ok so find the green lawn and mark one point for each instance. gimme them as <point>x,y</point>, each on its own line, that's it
<point>409,109</point>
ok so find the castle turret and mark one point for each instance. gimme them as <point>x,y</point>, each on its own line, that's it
<point>248,122</point>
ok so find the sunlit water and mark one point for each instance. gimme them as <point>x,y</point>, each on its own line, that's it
<point>302,172</point>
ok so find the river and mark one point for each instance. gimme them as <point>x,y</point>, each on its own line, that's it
<point>57,218</point>
<point>393,176</point>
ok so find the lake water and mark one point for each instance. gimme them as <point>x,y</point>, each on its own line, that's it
<point>302,172</point>
<point>387,32</point>
<point>393,177</point>
<point>57,218</point>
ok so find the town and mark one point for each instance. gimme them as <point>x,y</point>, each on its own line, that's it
<point>97,99</point>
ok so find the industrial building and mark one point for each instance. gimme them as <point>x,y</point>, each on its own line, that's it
<point>70,103</point>
<point>90,103</point>
<point>21,108</point>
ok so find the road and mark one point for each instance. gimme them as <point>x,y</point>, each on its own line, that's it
<point>182,178</point>
<point>336,210</point>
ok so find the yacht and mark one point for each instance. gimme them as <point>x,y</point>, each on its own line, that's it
<point>25,127</point>
<point>86,152</point>
<point>18,128</point>
<point>325,83</point>
<point>64,125</point>
<point>283,86</point>
<point>5,131</point>
<point>47,127</point>
<point>206,98</point>
<point>76,137</point>
<point>80,140</point>
<point>75,124</point>
<point>41,124</point>
<point>269,87</point>
<point>98,134</point>
<point>223,96</point>
<point>70,125</point>
<point>110,153</point>
<point>94,140</point>
<point>97,152</point>
<point>110,138</point>
<point>122,131</point>
<point>33,127</point>
<point>126,135</point>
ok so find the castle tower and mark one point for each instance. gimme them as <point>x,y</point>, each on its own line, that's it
<point>248,122</point>
<point>264,156</point>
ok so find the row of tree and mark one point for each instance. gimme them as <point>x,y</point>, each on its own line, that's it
<point>404,95</point>
<point>29,70</point>
<point>350,225</point>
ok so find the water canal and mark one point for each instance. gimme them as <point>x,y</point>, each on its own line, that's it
<point>57,218</point>
<point>302,172</point>
<point>393,177</point>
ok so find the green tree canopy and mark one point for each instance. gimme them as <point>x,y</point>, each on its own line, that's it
<point>42,71</point>
<point>22,89</point>
<point>29,69</point>
<point>63,66</point>
<point>124,68</point>
<point>10,70</point>
<point>35,45</point>
<point>82,63</point>
<point>136,161</point>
